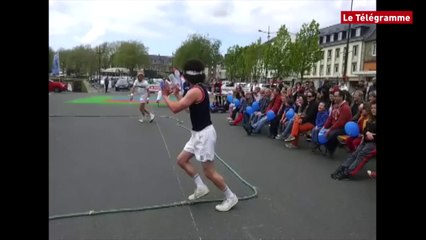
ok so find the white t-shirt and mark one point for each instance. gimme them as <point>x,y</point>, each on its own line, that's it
<point>141,87</point>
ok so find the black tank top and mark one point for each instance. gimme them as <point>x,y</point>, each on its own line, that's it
<point>200,112</point>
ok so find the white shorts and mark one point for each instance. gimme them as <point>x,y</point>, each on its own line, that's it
<point>202,144</point>
<point>144,98</point>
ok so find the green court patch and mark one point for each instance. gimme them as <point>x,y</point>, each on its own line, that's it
<point>115,100</point>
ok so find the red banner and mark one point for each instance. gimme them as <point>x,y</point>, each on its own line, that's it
<point>376,17</point>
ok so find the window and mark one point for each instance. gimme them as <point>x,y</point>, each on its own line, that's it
<point>344,52</point>
<point>344,34</point>
<point>322,55</point>
<point>353,33</point>
<point>328,69</point>
<point>337,53</point>
<point>374,50</point>
<point>336,68</point>
<point>320,41</point>
<point>354,50</point>
<point>328,38</point>
<point>336,36</point>
<point>321,70</point>
<point>329,54</point>
<point>353,67</point>
<point>340,36</point>
<point>358,32</point>
<point>314,71</point>
<point>332,38</point>
<point>324,39</point>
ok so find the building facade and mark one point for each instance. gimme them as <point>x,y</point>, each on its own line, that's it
<point>333,42</point>
<point>368,72</point>
<point>160,64</point>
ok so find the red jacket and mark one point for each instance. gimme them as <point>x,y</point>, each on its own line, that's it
<point>275,104</point>
<point>339,117</point>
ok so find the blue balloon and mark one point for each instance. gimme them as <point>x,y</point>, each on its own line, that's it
<point>255,106</point>
<point>322,138</point>
<point>270,115</point>
<point>249,110</point>
<point>352,129</point>
<point>236,102</point>
<point>230,98</point>
<point>290,114</point>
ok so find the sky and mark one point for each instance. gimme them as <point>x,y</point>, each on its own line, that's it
<point>162,25</point>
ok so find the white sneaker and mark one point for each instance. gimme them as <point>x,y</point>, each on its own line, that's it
<point>228,118</point>
<point>141,120</point>
<point>199,192</point>
<point>152,116</point>
<point>227,204</point>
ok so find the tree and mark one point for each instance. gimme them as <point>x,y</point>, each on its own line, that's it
<point>306,50</point>
<point>131,55</point>
<point>255,56</point>
<point>80,60</point>
<point>240,63</point>
<point>230,62</point>
<point>198,47</point>
<point>279,53</point>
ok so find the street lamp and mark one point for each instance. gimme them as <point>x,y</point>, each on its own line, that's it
<point>99,51</point>
<point>269,37</point>
<point>267,32</point>
<point>345,67</point>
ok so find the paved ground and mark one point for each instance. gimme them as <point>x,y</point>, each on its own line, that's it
<point>111,161</point>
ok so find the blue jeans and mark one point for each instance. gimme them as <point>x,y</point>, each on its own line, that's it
<point>259,124</point>
<point>288,128</point>
<point>315,132</point>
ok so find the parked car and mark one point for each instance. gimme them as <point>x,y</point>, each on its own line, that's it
<point>57,86</point>
<point>227,87</point>
<point>265,86</point>
<point>121,84</point>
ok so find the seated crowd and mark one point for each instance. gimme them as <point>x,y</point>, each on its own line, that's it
<point>320,115</point>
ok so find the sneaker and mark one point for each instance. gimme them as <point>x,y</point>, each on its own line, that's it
<point>372,174</point>
<point>334,174</point>
<point>308,139</point>
<point>290,145</point>
<point>152,116</point>
<point>227,204</point>
<point>229,118</point>
<point>316,147</point>
<point>248,130</point>
<point>141,120</point>
<point>342,176</point>
<point>290,138</point>
<point>278,137</point>
<point>199,192</point>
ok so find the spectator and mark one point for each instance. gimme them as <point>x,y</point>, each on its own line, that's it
<point>364,152</point>
<point>303,122</point>
<point>341,114</point>
<point>372,96</point>
<point>273,127</point>
<point>320,119</point>
<point>273,105</point>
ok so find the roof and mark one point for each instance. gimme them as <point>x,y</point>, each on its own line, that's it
<point>370,35</point>
<point>371,30</point>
